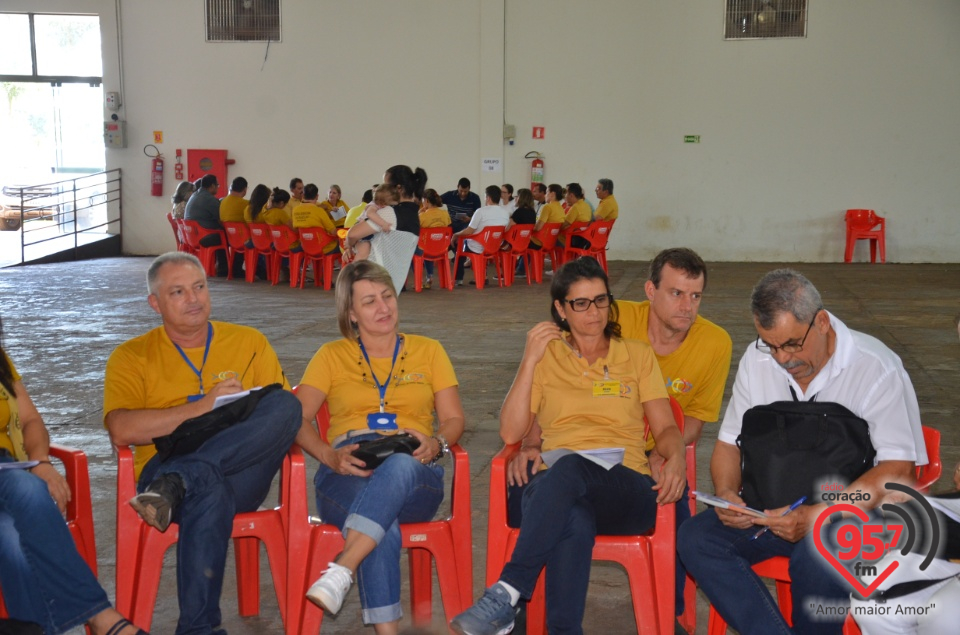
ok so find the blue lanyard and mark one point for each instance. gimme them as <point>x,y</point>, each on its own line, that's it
<point>204,362</point>
<point>381,387</point>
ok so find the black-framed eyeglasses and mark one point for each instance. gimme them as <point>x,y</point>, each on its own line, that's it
<point>582,304</point>
<point>789,348</point>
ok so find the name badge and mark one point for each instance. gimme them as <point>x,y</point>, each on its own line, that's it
<point>380,421</point>
<point>606,388</point>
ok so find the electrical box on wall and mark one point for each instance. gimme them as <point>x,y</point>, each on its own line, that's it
<point>115,134</point>
<point>112,101</point>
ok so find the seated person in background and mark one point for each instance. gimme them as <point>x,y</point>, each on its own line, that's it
<point>296,194</point>
<point>45,580</point>
<point>157,381</point>
<point>432,215</point>
<point>378,218</point>
<point>204,208</point>
<point>523,213</point>
<point>692,352</point>
<point>551,212</point>
<point>539,196</point>
<point>575,498</point>
<point>607,209</point>
<point>804,353</point>
<point>490,215</point>
<point>355,211</point>
<point>577,212</point>
<point>180,198</point>
<point>335,206</point>
<point>309,214</point>
<point>258,202</point>
<point>506,197</point>
<point>461,204</point>
<point>233,204</point>
<point>369,504</point>
<point>275,212</point>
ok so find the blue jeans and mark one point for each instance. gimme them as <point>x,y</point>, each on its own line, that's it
<point>564,508</point>
<point>231,473</point>
<point>719,558</point>
<point>44,579</point>
<point>401,490</point>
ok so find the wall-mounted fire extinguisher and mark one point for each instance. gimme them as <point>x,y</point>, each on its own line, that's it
<point>536,168</point>
<point>156,170</point>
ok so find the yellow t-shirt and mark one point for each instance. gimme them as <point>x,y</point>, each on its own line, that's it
<point>148,372</point>
<point>607,209</point>
<point>312,215</point>
<point>232,208</point>
<point>5,442</point>
<point>327,205</point>
<point>435,217</point>
<point>571,417</point>
<point>353,215</point>
<point>696,373</point>
<point>248,213</point>
<point>339,370</point>
<point>579,212</point>
<point>274,216</point>
<point>549,213</point>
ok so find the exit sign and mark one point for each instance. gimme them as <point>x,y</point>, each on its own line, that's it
<point>691,138</point>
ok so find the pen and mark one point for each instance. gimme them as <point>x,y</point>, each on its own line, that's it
<point>799,502</point>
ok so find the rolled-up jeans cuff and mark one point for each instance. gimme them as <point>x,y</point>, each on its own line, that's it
<point>382,614</point>
<point>365,526</point>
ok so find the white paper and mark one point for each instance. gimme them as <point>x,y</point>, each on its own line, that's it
<point>338,213</point>
<point>223,400</point>
<point>490,165</point>
<point>716,501</point>
<point>19,465</point>
<point>604,457</point>
<point>948,506</point>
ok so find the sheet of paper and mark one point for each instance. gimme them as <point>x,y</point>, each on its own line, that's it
<point>948,506</point>
<point>604,457</point>
<point>716,501</point>
<point>19,465</point>
<point>338,213</point>
<point>223,400</point>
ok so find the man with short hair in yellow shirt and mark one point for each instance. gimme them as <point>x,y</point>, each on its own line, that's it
<point>309,214</point>
<point>693,354</point>
<point>607,208</point>
<point>176,372</point>
<point>233,204</point>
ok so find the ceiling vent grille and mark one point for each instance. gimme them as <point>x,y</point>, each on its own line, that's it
<point>762,19</point>
<point>243,20</point>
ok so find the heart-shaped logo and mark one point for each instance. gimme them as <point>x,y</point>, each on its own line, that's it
<point>857,585</point>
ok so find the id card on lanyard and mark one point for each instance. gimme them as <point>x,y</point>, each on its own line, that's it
<point>606,387</point>
<point>382,420</point>
<point>198,371</point>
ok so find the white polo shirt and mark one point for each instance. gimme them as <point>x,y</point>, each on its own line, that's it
<point>487,216</point>
<point>862,374</point>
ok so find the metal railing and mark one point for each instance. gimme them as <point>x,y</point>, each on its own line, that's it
<point>63,209</point>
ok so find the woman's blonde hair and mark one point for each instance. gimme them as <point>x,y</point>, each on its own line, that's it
<point>386,194</point>
<point>354,272</point>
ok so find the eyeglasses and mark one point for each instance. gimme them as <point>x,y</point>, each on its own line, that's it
<point>763,347</point>
<point>582,304</point>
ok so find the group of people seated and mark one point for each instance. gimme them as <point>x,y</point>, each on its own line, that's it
<point>404,204</point>
<point>600,448</point>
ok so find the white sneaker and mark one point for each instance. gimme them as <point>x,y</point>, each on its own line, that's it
<point>329,590</point>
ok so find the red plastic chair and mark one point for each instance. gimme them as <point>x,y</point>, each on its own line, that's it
<point>237,237</point>
<point>176,232</point>
<point>864,224</point>
<point>284,240</point>
<point>649,559</point>
<point>434,242</point>
<point>193,233</point>
<point>79,510</point>
<point>314,241</point>
<point>777,568</point>
<point>490,238</point>
<point>448,542</point>
<point>140,547</point>
<point>518,238</point>
<point>597,235</point>
<point>558,255</point>
<point>262,241</point>
<point>548,236</point>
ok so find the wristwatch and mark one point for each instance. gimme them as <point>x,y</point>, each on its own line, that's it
<point>444,447</point>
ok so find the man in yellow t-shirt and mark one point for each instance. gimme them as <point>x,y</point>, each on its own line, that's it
<point>309,214</point>
<point>233,204</point>
<point>607,208</point>
<point>177,372</point>
<point>693,354</point>
<point>354,214</point>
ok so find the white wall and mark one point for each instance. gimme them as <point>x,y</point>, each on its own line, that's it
<point>861,113</point>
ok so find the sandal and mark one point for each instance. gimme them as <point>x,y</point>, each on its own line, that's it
<point>121,624</point>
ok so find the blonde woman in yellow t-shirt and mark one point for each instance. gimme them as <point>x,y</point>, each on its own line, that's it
<point>589,390</point>
<point>376,373</point>
<point>45,579</point>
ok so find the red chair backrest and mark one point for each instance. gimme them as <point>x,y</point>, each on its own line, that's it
<point>519,237</point>
<point>928,474</point>
<point>190,231</point>
<point>490,237</point>
<point>598,234</point>
<point>314,240</point>
<point>283,237</point>
<point>237,234</point>
<point>861,218</point>
<point>261,237</point>
<point>434,241</point>
<point>548,235</point>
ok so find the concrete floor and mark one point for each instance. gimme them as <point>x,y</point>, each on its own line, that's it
<point>61,321</point>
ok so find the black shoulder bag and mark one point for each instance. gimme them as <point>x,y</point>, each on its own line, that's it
<point>192,433</point>
<point>786,447</point>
